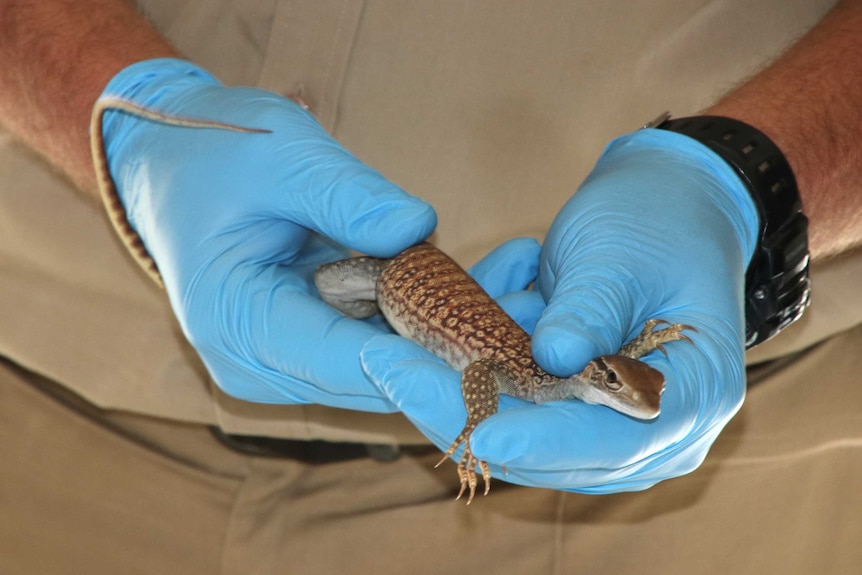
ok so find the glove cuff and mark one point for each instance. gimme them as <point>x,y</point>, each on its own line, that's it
<point>145,81</point>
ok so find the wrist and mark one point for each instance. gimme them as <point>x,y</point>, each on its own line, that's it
<point>57,57</point>
<point>149,79</point>
<point>777,285</point>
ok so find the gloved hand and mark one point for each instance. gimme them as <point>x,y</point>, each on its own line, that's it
<point>237,223</point>
<point>662,228</point>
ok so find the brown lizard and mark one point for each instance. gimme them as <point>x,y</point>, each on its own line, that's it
<point>428,298</point>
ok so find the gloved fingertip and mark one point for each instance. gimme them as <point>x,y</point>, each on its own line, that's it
<point>495,443</point>
<point>525,307</point>
<point>391,227</point>
<point>376,356</point>
<point>511,251</point>
<point>563,346</point>
<point>382,354</point>
<point>513,265</point>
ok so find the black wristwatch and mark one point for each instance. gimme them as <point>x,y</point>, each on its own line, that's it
<point>777,286</point>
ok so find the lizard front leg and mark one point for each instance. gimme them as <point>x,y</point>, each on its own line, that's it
<point>651,338</point>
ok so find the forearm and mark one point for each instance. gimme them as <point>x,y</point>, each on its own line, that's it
<point>55,58</point>
<point>809,102</point>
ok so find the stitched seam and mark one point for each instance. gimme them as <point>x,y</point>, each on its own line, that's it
<point>226,547</point>
<point>330,62</point>
<point>334,81</point>
<point>557,559</point>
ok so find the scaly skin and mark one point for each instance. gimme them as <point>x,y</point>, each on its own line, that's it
<point>430,299</point>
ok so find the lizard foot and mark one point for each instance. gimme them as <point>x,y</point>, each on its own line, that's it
<point>651,338</point>
<point>480,388</point>
<point>467,466</point>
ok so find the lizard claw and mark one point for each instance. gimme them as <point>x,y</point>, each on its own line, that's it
<point>467,467</point>
<point>468,477</point>
<point>684,337</point>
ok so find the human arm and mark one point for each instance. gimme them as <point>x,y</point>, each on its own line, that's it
<point>45,99</point>
<point>809,102</point>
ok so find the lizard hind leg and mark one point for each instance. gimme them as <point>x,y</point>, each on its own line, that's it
<point>350,285</point>
<point>480,387</point>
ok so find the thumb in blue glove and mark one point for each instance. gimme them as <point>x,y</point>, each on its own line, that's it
<point>237,223</point>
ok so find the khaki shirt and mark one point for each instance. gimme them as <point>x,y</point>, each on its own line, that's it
<point>493,111</point>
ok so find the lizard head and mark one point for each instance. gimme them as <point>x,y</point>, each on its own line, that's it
<point>625,385</point>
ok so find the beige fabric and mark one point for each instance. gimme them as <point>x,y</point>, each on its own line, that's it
<point>493,112</point>
<point>111,493</point>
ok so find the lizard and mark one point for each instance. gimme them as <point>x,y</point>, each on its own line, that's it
<point>427,297</point>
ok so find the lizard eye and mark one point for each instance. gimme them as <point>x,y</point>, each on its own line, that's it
<point>611,381</point>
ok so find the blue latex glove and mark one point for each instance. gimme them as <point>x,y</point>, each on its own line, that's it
<point>662,228</point>
<point>237,224</point>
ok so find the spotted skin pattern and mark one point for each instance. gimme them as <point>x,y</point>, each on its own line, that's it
<point>430,299</point>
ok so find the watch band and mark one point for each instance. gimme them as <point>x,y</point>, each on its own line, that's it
<point>777,286</point>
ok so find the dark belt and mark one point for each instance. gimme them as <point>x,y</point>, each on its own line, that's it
<point>317,451</point>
